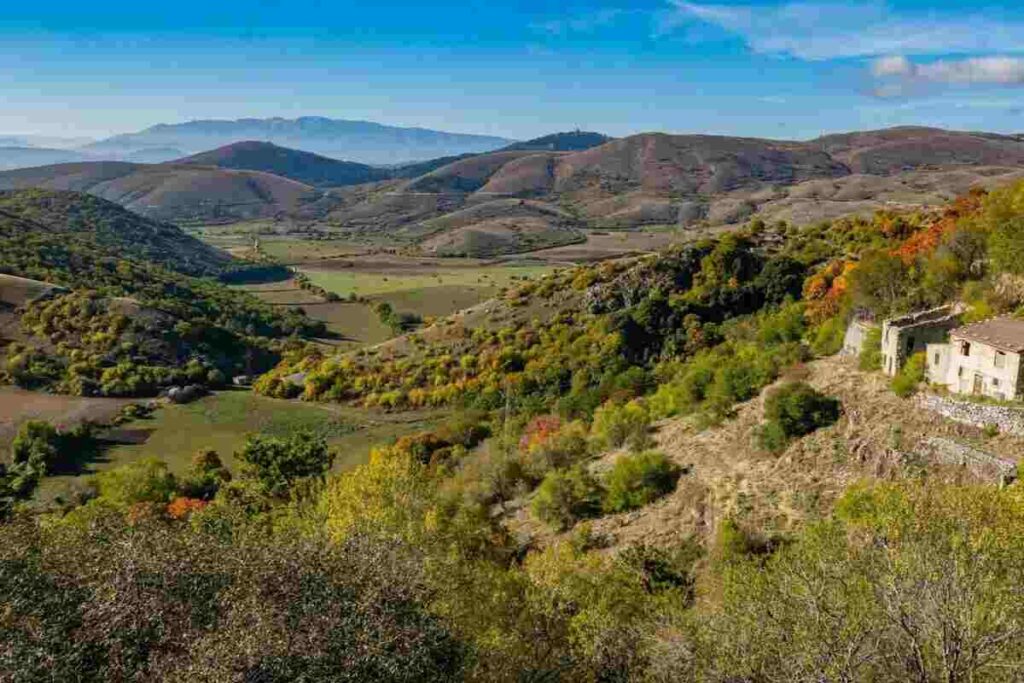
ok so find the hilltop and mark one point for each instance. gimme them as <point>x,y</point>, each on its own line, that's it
<point>179,193</point>
<point>360,141</point>
<point>704,180</point>
<point>304,167</point>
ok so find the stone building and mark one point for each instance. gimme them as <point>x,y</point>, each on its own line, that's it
<point>906,335</point>
<point>983,359</point>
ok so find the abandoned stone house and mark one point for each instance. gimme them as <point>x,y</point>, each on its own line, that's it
<point>983,359</point>
<point>906,335</point>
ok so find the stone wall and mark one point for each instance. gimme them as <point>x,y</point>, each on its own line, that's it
<point>985,466</point>
<point>1007,420</point>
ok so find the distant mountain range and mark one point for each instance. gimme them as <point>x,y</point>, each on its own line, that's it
<point>359,141</point>
<point>544,191</point>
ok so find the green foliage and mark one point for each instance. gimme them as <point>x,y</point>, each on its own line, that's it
<point>219,600</point>
<point>793,410</point>
<point>638,479</point>
<point>565,497</point>
<point>870,358</point>
<point>827,338</point>
<point>276,463</point>
<point>912,373</point>
<point>144,481</point>
<point>882,283</point>
<point>618,425</point>
<point>206,474</point>
<point>852,591</point>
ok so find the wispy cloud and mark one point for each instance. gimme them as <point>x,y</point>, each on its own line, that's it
<point>584,23</point>
<point>828,30</point>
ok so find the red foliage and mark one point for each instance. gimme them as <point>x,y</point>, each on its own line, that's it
<point>824,290</point>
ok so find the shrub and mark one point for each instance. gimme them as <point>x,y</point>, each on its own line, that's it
<point>910,376</point>
<point>800,409</point>
<point>205,476</point>
<point>870,358</point>
<point>144,481</point>
<point>277,463</point>
<point>827,339</point>
<point>566,496</point>
<point>616,425</point>
<point>636,480</point>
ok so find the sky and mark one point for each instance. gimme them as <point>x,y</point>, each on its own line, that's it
<point>517,69</point>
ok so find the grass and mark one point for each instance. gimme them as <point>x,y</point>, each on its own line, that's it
<point>223,420</point>
<point>370,283</point>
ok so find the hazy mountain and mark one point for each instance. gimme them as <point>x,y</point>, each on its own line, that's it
<point>24,157</point>
<point>360,141</point>
<point>304,167</point>
<point>49,141</point>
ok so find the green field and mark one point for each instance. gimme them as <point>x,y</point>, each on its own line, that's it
<point>371,283</point>
<point>222,421</point>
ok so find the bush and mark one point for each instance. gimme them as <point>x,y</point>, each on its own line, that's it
<point>617,425</point>
<point>566,496</point>
<point>800,409</point>
<point>277,463</point>
<point>870,358</point>
<point>827,339</point>
<point>144,481</point>
<point>636,480</point>
<point>910,376</point>
<point>205,476</point>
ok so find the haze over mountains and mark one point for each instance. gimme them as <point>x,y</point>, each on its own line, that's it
<point>544,191</point>
<point>360,141</point>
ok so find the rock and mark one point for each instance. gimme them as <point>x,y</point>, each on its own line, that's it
<point>186,394</point>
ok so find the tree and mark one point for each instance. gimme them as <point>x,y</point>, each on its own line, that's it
<point>566,496</point>
<point>793,410</point>
<point>277,463</point>
<point>882,283</point>
<point>1006,246</point>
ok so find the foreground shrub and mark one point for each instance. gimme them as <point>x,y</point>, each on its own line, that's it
<point>793,410</point>
<point>905,583</point>
<point>565,497</point>
<point>870,358</point>
<point>636,480</point>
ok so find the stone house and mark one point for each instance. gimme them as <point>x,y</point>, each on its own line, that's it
<point>983,359</point>
<point>906,335</point>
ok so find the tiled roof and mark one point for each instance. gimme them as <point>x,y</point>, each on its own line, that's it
<point>1005,334</point>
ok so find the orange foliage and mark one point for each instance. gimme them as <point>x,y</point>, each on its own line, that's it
<point>539,431</point>
<point>824,290</point>
<point>182,507</point>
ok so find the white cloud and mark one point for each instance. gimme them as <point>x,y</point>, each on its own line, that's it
<point>828,30</point>
<point>898,76</point>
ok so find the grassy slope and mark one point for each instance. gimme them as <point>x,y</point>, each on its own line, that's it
<point>221,421</point>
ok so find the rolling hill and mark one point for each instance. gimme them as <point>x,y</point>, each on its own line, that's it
<point>180,193</point>
<point>361,141</point>
<point>689,180</point>
<point>303,167</point>
<point>110,227</point>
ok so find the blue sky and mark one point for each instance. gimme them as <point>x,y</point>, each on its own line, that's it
<point>517,69</point>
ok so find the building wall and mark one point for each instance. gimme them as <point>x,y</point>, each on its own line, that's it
<point>856,335</point>
<point>900,343</point>
<point>979,372</point>
<point>938,363</point>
